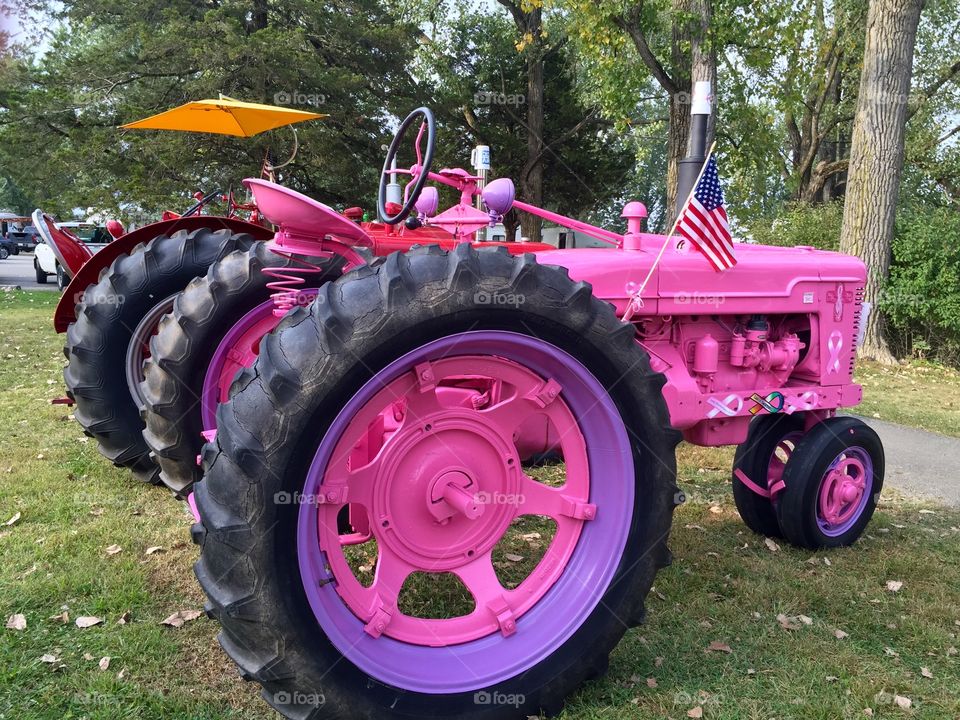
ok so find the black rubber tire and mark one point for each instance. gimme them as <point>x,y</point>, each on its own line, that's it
<point>40,274</point>
<point>184,346</point>
<point>4,253</point>
<point>753,458</point>
<point>107,315</point>
<point>62,280</point>
<point>797,504</point>
<point>308,368</point>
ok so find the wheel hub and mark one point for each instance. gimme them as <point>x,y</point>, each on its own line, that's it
<point>446,490</point>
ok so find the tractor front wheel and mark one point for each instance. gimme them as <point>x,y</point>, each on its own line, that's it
<point>832,484</point>
<point>398,398</point>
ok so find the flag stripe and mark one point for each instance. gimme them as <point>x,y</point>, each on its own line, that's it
<point>710,232</point>
<point>704,221</point>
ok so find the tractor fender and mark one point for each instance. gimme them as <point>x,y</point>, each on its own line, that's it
<point>90,272</point>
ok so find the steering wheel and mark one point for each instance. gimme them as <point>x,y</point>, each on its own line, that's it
<point>200,203</point>
<point>419,172</point>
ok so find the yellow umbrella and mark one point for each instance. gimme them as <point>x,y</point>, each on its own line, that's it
<point>224,117</point>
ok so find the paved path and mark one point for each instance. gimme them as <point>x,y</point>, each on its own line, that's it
<point>18,270</point>
<point>920,462</point>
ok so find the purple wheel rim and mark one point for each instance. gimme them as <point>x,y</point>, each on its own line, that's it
<point>851,515</point>
<point>542,629</point>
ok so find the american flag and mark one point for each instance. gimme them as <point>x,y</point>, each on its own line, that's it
<point>704,221</point>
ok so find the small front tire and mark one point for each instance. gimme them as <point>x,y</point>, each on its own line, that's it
<point>833,482</point>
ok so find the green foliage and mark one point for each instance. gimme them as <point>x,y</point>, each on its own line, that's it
<point>800,224</point>
<point>922,298</point>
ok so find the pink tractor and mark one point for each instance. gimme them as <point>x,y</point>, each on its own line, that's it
<point>420,414</point>
<point>118,298</point>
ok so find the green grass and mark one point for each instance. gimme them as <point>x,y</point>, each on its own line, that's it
<point>921,394</point>
<point>725,585</point>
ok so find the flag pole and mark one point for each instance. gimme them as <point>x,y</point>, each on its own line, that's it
<point>636,302</point>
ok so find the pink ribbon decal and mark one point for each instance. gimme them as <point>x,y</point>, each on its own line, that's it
<point>726,406</point>
<point>834,345</point>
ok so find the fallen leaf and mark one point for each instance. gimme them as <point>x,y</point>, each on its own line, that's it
<point>927,512</point>
<point>124,619</point>
<point>86,621</point>
<point>771,545</point>
<point>890,652</point>
<point>154,549</point>
<point>751,671</point>
<point>658,661</point>
<point>902,702</point>
<point>717,646</point>
<point>951,651</point>
<point>894,585</point>
<point>104,663</point>
<point>868,712</point>
<point>826,561</point>
<point>806,620</point>
<point>716,509</point>
<point>840,634</point>
<point>925,671</point>
<point>696,712</point>
<point>788,623</point>
<point>114,549</point>
<point>513,558</point>
<point>180,617</point>
<point>832,678</point>
<point>40,457</point>
<point>121,674</point>
<point>87,656</point>
<point>651,682</point>
<point>63,617</point>
<point>13,520</point>
<point>48,658</point>
<point>17,622</point>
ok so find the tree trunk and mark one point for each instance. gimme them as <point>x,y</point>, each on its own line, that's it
<point>531,181</point>
<point>677,137</point>
<point>876,154</point>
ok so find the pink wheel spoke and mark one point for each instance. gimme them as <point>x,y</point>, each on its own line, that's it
<point>535,498</point>
<point>481,580</point>
<point>420,405</point>
<point>511,412</point>
<point>380,598</point>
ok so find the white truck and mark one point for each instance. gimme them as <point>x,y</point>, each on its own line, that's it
<point>45,262</point>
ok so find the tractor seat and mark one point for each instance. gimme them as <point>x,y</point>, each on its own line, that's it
<point>298,214</point>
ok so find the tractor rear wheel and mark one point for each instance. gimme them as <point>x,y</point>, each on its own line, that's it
<point>109,340</point>
<point>213,331</point>
<point>401,390</point>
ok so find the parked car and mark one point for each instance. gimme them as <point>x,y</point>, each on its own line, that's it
<point>45,263</point>
<point>24,239</point>
<point>7,248</point>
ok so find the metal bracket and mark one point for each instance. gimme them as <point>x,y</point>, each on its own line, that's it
<point>378,623</point>
<point>504,615</point>
<point>425,377</point>
<point>578,510</point>
<point>547,393</point>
